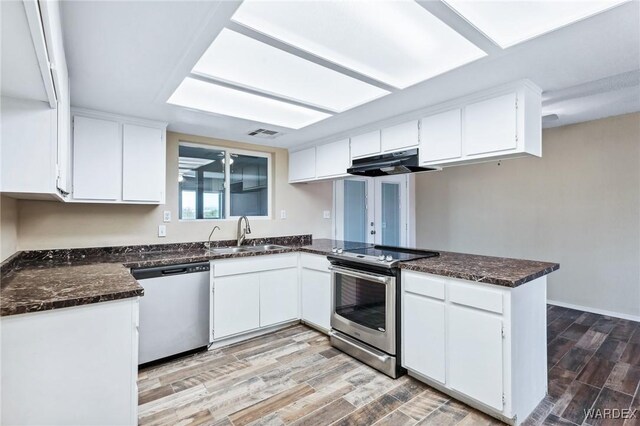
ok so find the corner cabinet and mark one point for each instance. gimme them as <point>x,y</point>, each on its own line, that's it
<point>35,103</point>
<point>477,342</point>
<point>118,159</point>
<point>81,369</point>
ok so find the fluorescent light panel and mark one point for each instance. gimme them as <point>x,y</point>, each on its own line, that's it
<point>217,99</point>
<point>511,22</point>
<point>241,60</point>
<point>395,42</point>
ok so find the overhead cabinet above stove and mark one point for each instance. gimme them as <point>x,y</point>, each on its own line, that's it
<point>499,123</point>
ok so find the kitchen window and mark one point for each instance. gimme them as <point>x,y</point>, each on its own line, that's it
<point>223,183</point>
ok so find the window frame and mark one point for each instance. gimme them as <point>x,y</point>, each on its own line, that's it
<point>228,151</point>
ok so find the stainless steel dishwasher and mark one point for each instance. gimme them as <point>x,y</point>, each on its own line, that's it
<point>174,311</point>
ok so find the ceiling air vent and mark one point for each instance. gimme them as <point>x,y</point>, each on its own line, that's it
<point>264,133</point>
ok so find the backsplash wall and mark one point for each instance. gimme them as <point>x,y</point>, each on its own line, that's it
<point>8,227</point>
<point>46,225</point>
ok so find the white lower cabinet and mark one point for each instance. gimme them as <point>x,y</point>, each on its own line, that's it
<point>278,296</point>
<point>253,293</point>
<point>424,320</point>
<point>475,354</point>
<point>478,342</point>
<point>71,366</point>
<point>315,285</point>
<point>236,304</point>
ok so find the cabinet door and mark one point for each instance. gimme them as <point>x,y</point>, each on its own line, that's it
<point>28,138</point>
<point>424,336</point>
<point>142,163</point>
<point>278,296</point>
<point>475,355</point>
<point>302,165</point>
<point>316,297</point>
<point>403,135</point>
<point>441,137</point>
<point>332,159</point>
<point>236,304</point>
<point>97,159</point>
<point>491,125</point>
<point>366,144</point>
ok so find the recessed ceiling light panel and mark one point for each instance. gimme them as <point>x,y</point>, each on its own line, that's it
<point>395,42</point>
<point>511,22</point>
<point>241,60</point>
<point>218,99</point>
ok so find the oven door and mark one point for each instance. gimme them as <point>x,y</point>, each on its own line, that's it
<point>363,306</point>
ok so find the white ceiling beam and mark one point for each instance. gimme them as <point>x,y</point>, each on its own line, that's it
<point>447,15</point>
<point>308,56</point>
<point>234,86</point>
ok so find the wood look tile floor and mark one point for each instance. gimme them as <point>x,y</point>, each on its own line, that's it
<point>294,376</point>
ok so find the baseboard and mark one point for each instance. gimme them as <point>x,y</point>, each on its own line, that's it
<point>595,310</point>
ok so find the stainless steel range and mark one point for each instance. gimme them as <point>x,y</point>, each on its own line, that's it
<point>365,318</point>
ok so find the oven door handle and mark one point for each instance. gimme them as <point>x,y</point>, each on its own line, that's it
<point>358,274</point>
<point>381,358</point>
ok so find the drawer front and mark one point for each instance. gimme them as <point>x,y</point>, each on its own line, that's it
<point>424,285</point>
<point>476,297</point>
<point>254,264</point>
<point>314,261</point>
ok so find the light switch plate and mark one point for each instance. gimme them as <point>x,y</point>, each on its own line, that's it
<point>167,216</point>
<point>162,231</point>
<point>283,214</point>
<point>326,214</point>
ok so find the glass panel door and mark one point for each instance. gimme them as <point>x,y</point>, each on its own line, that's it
<point>391,207</point>
<point>361,301</point>
<point>390,218</point>
<point>355,210</point>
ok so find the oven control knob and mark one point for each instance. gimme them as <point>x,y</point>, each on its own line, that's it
<point>339,251</point>
<point>388,258</point>
<point>381,258</point>
<point>334,250</point>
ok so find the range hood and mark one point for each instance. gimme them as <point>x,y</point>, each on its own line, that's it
<point>394,163</point>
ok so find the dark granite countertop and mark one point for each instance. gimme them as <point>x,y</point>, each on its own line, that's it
<point>500,271</point>
<point>49,279</point>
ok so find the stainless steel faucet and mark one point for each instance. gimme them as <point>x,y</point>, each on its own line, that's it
<point>208,245</point>
<point>243,232</point>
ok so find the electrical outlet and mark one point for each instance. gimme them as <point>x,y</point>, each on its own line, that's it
<point>326,214</point>
<point>162,231</point>
<point>167,216</point>
<point>283,214</point>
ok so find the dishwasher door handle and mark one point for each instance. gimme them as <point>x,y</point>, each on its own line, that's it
<point>174,271</point>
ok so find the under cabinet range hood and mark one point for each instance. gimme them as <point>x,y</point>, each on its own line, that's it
<point>394,163</point>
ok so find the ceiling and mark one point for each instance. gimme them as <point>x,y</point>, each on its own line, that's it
<point>128,57</point>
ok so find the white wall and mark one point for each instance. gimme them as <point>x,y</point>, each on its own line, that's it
<point>578,205</point>
<point>8,227</point>
<point>45,224</point>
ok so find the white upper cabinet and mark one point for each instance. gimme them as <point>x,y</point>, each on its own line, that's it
<point>490,126</point>
<point>332,159</point>
<point>143,160</point>
<point>365,144</point>
<point>441,136</point>
<point>398,137</point>
<point>497,124</point>
<point>35,102</point>
<point>96,154</point>
<point>118,159</point>
<point>302,165</point>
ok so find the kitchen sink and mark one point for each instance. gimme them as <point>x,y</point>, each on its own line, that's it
<point>244,249</point>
